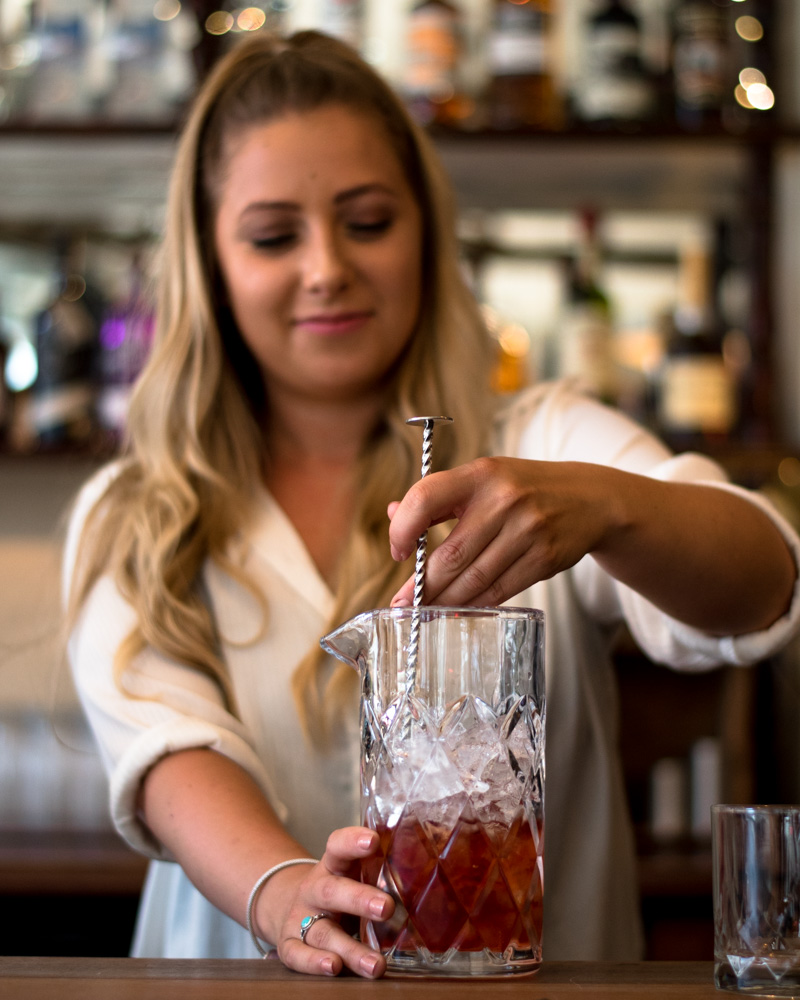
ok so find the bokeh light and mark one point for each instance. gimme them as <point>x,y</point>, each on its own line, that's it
<point>22,366</point>
<point>515,340</point>
<point>749,28</point>
<point>219,22</point>
<point>251,19</point>
<point>789,472</point>
<point>166,10</point>
<point>761,96</point>
<point>750,75</point>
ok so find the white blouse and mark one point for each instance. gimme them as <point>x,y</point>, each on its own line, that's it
<point>591,902</point>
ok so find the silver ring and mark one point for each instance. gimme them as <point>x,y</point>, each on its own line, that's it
<point>308,922</point>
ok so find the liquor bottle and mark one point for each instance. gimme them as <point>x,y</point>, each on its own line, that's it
<point>697,398</point>
<point>63,50</point>
<point>431,84</point>
<point>613,84</point>
<point>19,48</point>
<point>705,784</point>
<point>5,393</point>
<point>125,339</point>
<point>522,90</point>
<point>343,19</point>
<point>669,793</point>
<point>586,334</point>
<point>511,370</point>
<point>66,345</point>
<point>702,73</point>
<point>151,69</point>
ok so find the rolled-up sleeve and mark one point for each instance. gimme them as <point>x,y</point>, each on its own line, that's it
<point>558,424</point>
<point>157,707</point>
<point>665,639</point>
<point>669,641</point>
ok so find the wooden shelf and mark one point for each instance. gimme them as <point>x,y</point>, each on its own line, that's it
<point>758,132</point>
<point>114,175</point>
<point>101,864</point>
<point>68,863</point>
<point>672,872</point>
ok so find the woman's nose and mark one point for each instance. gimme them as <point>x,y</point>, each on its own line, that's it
<point>326,268</point>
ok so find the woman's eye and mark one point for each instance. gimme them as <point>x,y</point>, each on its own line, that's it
<point>278,241</point>
<point>370,230</point>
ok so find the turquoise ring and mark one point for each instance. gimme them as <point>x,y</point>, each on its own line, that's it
<point>308,922</point>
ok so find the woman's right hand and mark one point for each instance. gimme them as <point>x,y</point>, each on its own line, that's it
<point>192,800</point>
<point>332,886</point>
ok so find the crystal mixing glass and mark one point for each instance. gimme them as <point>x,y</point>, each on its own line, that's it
<point>452,779</point>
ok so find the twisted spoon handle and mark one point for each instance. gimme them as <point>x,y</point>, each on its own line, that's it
<point>422,552</point>
<point>422,541</point>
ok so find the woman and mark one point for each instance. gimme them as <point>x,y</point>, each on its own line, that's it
<point>310,301</point>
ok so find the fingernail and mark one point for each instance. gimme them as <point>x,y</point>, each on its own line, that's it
<point>365,842</point>
<point>327,966</point>
<point>401,602</point>
<point>368,963</point>
<point>376,907</point>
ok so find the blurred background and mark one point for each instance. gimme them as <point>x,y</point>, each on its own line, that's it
<point>628,182</point>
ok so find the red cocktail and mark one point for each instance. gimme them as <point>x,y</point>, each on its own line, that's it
<point>473,888</point>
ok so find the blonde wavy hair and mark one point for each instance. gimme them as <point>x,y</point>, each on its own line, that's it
<point>196,432</point>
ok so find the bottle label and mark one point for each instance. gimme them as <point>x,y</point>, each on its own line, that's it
<point>614,85</point>
<point>433,51</point>
<point>697,395</point>
<point>586,350</point>
<point>700,57</point>
<point>515,54</point>
<point>614,51</point>
<point>624,99</point>
<point>699,73</point>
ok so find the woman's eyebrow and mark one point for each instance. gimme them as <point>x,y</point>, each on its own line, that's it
<point>360,189</point>
<point>261,206</point>
<point>343,196</point>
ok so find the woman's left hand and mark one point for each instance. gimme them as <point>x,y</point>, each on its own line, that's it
<point>519,522</point>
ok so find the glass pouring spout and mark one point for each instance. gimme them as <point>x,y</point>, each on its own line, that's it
<point>351,641</point>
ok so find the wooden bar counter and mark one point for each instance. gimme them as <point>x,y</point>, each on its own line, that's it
<point>178,979</point>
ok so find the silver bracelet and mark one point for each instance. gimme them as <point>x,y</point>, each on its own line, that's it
<point>251,902</point>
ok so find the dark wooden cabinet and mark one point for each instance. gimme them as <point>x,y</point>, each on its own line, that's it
<point>68,893</point>
<point>663,713</point>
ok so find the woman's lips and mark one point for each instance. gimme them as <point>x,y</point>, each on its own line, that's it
<point>328,325</point>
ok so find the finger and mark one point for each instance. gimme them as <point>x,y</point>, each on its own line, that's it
<point>404,596</point>
<point>310,961</point>
<point>336,894</point>
<point>470,551</point>
<point>457,554</point>
<point>436,498</point>
<point>329,937</point>
<point>517,577</point>
<point>473,570</point>
<point>346,845</point>
<point>342,890</point>
<point>532,560</point>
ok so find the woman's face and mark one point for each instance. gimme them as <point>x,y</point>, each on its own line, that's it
<point>319,242</point>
